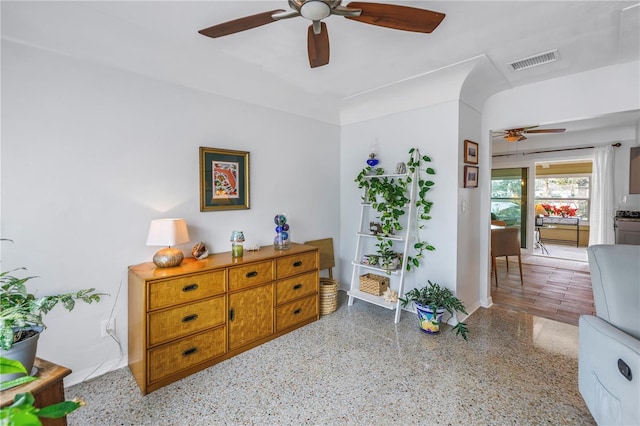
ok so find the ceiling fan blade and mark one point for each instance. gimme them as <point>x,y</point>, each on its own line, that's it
<point>545,131</point>
<point>318,46</point>
<point>397,17</point>
<point>241,24</point>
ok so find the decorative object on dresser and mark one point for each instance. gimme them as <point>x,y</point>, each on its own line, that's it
<point>200,251</point>
<point>224,179</point>
<point>282,240</point>
<point>237,238</point>
<point>167,232</point>
<point>470,152</point>
<point>186,319</point>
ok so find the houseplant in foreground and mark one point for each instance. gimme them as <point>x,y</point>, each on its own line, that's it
<point>22,411</point>
<point>431,302</point>
<point>21,315</point>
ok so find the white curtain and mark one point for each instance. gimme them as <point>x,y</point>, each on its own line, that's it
<point>602,199</point>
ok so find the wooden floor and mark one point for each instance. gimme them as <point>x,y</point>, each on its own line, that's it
<point>553,288</point>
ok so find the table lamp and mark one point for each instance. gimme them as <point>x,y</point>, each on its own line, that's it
<point>168,232</point>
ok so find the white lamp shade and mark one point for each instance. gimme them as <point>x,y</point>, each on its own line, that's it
<point>167,232</point>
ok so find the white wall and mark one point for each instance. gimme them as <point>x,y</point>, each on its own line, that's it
<point>434,131</point>
<point>589,94</point>
<point>469,217</point>
<point>90,155</point>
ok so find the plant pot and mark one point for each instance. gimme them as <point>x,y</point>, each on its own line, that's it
<point>23,351</point>
<point>390,263</point>
<point>429,321</point>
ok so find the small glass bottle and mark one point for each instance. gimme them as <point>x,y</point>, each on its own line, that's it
<point>237,249</point>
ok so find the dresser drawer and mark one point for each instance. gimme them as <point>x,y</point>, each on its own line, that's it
<point>185,289</point>
<point>292,265</point>
<point>171,358</point>
<point>296,311</point>
<point>293,288</point>
<point>170,324</point>
<point>249,275</point>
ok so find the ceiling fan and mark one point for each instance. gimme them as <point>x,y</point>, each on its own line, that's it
<point>518,134</point>
<point>384,15</point>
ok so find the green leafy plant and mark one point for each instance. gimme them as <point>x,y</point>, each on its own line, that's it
<point>22,412</point>
<point>20,309</point>
<point>389,196</point>
<point>417,165</point>
<point>435,296</point>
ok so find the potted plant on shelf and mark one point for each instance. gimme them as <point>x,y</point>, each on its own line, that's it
<point>21,315</point>
<point>388,259</point>
<point>431,302</point>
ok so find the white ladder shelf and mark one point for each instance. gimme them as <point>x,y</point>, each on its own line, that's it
<point>396,275</point>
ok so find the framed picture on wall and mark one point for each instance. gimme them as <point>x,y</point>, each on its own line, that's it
<point>470,177</point>
<point>224,179</point>
<point>470,152</point>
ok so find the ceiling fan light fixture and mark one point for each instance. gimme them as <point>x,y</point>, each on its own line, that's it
<point>512,138</point>
<point>315,10</point>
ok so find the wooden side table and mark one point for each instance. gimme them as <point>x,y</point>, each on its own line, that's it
<point>47,390</point>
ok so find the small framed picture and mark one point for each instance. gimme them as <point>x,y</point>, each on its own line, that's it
<point>224,179</point>
<point>470,177</point>
<point>470,152</point>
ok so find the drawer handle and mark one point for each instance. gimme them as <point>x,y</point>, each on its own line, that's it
<point>252,274</point>
<point>189,318</point>
<point>190,351</point>
<point>297,286</point>
<point>297,311</point>
<point>232,314</point>
<point>298,263</point>
<point>190,287</point>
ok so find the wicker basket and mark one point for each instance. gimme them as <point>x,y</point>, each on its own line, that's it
<point>328,295</point>
<point>374,284</point>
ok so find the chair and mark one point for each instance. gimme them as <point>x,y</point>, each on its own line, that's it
<point>325,250</point>
<point>505,242</point>
<point>609,343</point>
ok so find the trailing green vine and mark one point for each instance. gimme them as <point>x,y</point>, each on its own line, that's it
<point>423,206</point>
<point>388,196</point>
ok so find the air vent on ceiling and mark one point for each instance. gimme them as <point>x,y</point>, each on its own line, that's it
<point>533,61</point>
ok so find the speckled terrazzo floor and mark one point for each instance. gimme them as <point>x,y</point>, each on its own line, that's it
<point>356,367</point>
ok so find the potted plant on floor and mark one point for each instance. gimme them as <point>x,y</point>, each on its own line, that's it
<point>431,302</point>
<point>21,315</point>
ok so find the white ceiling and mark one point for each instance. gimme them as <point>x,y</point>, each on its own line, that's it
<point>268,65</point>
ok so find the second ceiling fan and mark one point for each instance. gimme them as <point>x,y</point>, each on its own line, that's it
<point>518,134</point>
<point>384,15</point>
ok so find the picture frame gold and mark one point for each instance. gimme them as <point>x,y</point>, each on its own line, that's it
<point>224,179</point>
<point>470,177</point>
<point>470,152</point>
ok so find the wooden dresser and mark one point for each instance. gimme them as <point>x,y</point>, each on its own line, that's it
<point>187,318</point>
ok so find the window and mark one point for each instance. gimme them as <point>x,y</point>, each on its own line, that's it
<point>572,191</point>
<point>508,198</point>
